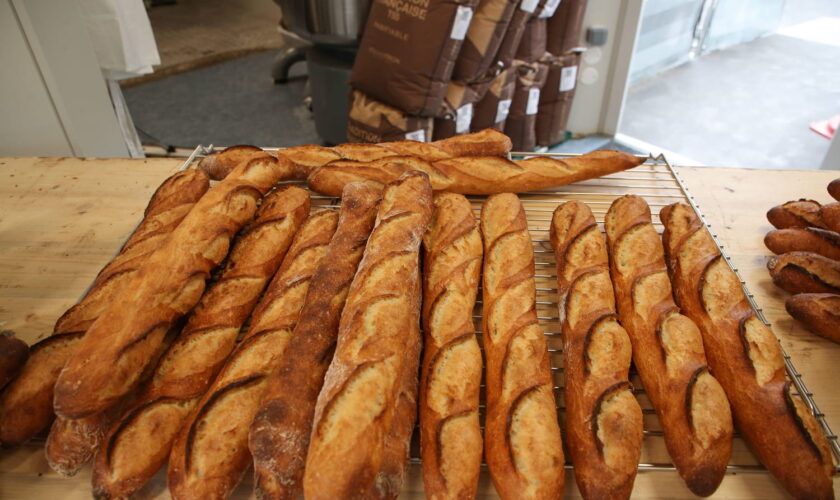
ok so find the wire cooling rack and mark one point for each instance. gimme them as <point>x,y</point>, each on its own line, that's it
<point>660,185</point>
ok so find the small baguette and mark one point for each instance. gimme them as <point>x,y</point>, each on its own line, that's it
<point>128,457</point>
<point>523,447</point>
<point>668,350</point>
<point>747,359</point>
<point>819,312</point>
<point>473,174</point>
<point>355,409</point>
<point>804,239</point>
<point>279,435</point>
<point>830,214</point>
<point>13,355</point>
<point>604,427</point>
<point>798,213</point>
<point>219,165</point>
<point>805,272</point>
<point>834,189</point>
<point>450,436</point>
<point>123,341</point>
<point>210,452</point>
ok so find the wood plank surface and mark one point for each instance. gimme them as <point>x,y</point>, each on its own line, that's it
<point>62,219</point>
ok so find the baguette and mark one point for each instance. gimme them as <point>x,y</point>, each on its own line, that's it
<point>667,350</point>
<point>819,312</point>
<point>219,165</point>
<point>523,448</point>
<point>356,406</point>
<point>804,239</point>
<point>473,174</point>
<point>123,341</point>
<point>279,435</point>
<point>834,189</point>
<point>13,355</point>
<point>747,359</point>
<point>450,436</point>
<point>798,213</point>
<point>128,457</point>
<point>604,427</point>
<point>210,452</point>
<point>805,272</point>
<point>26,405</point>
<point>830,215</point>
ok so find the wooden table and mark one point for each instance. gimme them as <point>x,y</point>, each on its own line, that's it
<point>62,219</point>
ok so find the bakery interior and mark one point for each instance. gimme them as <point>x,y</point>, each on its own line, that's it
<point>419,249</point>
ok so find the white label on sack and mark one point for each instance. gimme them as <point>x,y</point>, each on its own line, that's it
<point>462,21</point>
<point>533,102</point>
<point>568,77</point>
<point>417,135</point>
<point>502,111</point>
<point>463,119</point>
<point>549,8</point>
<point>529,5</point>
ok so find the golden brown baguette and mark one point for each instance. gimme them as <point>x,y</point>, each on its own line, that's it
<point>13,355</point>
<point>210,452</point>
<point>356,406</point>
<point>797,213</point>
<point>746,358</point>
<point>603,419</point>
<point>819,312</point>
<point>279,435</point>
<point>834,189</point>
<point>26,405</point>
<point>128,456</point>
<point>219,165</point>
<point>523,448</point>
<point>473,174</point>
<point>450,436</point>
<point>667,350</point>
<point>804,239</point>
<point>805,272</point>
<point>122,342</point>
<point>830,215</point>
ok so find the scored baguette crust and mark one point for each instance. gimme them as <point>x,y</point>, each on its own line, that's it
<point>13,355</point>
<point>26,407</point>
<point>604,427</point>
<point>123,341</point>
<point>830,215</point>
<point>210,452</point>
<point>834,189</point>
<point>523,447</point>
<point>746,358</point>
<point>820,312</point>
<point>450,436</point>
<point>667,350</point>
<point>279,435</point>
<point>805,272</point>
<point>219,165</point>
<point>129,457</point>
<point>473,174</point>
<point>356,406</point>
<point>804,239</point>
<point>797,213</point>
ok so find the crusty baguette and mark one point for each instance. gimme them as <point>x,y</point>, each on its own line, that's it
<point>797,213</point>
<point>219,165</point>
<point>805,272</point>
<point>604,427</point>
<point>473,174</point>
<point>118,347</point>
<point>13,355</point>
<point>830,215</point>
<point>129,455</point>
<point>279,435</point>
<point>26,406</point>
<point>450,436</point>
<point>667,350</point>
<point>834,189</point>
<point>523,447</point>
<point>746,358</point>
<point>804,239</point>
<point>210,452</point>
<point>356,406</point>
<point>819,312</point>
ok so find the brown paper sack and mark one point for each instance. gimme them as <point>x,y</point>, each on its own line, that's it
<point>487,29</point>
<point>565,26</point>
<point>556,99</point>
<point>521,122</point>
<point>373,121</point>
<point>492,110</point>
<point>458,109</point>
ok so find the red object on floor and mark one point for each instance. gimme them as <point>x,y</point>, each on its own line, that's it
<point>826,128</point>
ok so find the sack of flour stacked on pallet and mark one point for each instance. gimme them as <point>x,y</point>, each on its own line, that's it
<point>458,109</point>
<point>372,121</point>
<point>556,98</point>
<point>492,110</point>
<point>564,28</point>
<point>520,125</point>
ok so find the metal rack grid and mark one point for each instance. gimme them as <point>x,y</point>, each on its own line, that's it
<point>659,184</point>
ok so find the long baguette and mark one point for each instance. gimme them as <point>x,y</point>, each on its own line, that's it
<point>26,405</point>
<point>279,435</point>
<point>122,342</point>
<point>604,427</point>
<point>450,436</point>
<point>139,444</point>
<point>796,213</point>
<point>819,312</point>
<point>356,406</point>
<point>13,355</point>
<point>523,448</point>
<point>805,272</point>
<point>667,350</point>
<point>804,239</point>
<point>473,174</point>
<point>210,452</point>
<point>746,358</point>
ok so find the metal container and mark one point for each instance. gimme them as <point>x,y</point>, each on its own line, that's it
<point>325,22</point>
